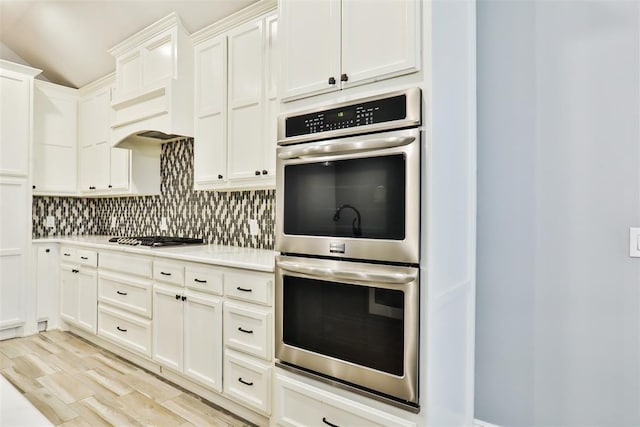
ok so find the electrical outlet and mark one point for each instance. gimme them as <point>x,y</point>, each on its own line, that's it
<point>254,230</point>
<point>634,242</point>
<point>51,221</point>
<point>163,224</point>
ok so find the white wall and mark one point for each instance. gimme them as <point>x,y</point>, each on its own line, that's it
<point>558,298</point>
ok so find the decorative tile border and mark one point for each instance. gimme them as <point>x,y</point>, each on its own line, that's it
<point>216,217</point>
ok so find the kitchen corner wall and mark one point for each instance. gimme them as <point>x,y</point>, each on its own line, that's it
<point>216,217</point>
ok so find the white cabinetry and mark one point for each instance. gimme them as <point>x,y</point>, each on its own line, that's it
<point>54,139</point>
<point>125,300</point>
<point>236,106</point>
<point>300,404</point>
<point>248,337</point>
<point>187,332</point>
<point>16,113</point>
<point>105,170</point>
<point>45,257</point>
<point>79,287</point>
<point>336,44</point>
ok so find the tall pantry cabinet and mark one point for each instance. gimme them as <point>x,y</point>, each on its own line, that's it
<point>16,117</point>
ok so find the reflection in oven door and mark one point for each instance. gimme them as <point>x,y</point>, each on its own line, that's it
<point>353,322</point>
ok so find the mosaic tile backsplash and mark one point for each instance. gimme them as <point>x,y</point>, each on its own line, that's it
<point>216,217</point>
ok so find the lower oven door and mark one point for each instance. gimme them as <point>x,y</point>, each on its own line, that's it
<point>356,323</point>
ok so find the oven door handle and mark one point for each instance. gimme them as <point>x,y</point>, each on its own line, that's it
<point>360,276</point>
<point>347,147</point>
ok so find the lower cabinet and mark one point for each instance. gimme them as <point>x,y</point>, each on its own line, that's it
<point>248,380</point>
<point>300,404</point>
<point>79,288</point>
<point>130,331</point>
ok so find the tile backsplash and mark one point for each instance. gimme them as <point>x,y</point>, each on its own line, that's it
<point>216,217</point>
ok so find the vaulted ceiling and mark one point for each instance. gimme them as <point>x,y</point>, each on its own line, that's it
<point>69,39</point>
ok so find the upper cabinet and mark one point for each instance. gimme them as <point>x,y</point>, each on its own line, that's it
<point>154,85</point>
<point>236,105</point>
<point>335,44</point>
<point>54,139</point>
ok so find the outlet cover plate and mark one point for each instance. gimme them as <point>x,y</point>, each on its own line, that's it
<point>634,242</point>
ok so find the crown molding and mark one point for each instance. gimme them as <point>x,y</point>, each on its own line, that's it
<point>170,21</point>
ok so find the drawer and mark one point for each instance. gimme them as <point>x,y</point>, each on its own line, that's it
<point>127,263</point>
<point>247,380</point>
<point>126,292</point>
<point>248,329</point>
<point>249,286</point>
<point>68,254</point>
<point>127,330</point>
<point>87,258</point>
<point>301,404</point>
<point>168,272</point>
<point>205,279</point>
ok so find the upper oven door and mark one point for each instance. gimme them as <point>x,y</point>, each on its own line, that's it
<point>356,197</point>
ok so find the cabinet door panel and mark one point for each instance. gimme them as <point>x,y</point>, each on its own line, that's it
<point>381,39</point>
<point>129,74</point>
<point>54,168</point>
<point>272,105</point>
<point>87,299</point>
<point>203,340</point>
<point>68,294</point>
<point>244,133</point>
<point>310,47</point>
<point>245,65</point>
<point>16,125</point>
<point>168,326</point>
<point>159,58</point>
<point>120,165</point>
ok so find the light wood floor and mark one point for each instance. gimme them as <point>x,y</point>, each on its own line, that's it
<point>74,383</point>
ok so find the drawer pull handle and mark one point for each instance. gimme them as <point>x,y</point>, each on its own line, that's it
<point>246,331</point>
<point>67,254</point>
<point>245,382</point>
<point>324,420</point>
<point>84,257</point>
<point>199,281</point>
<point>120,329</point>
<point>244,289</point>
<point>165,274</point>
<point>75,271</point>
<point>121,293</point>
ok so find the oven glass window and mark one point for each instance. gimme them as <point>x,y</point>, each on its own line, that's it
<point>359,198</point>
<point>358,324</point>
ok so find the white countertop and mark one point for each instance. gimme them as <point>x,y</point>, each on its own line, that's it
<point>228,256</point>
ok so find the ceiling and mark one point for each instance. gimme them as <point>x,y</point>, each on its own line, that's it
<point>69,39</point>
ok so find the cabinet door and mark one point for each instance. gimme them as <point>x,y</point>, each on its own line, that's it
<point>54,138</point>
<point>168,326</point>
<point>87,284</point>
<point>245,101</point>
<point>203,339</point>
<point>68,293</point>
<point>46,283</point>
<point>210,145</point>
<point>94,168</point>
<point>15,127</point>
<point>15,213</point>
<point>310,47</point>
<point>380,39</point>
<point>119,169</point>
<point>272,76</point>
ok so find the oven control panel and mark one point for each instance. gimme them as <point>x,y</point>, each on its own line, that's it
<point>399,109</point>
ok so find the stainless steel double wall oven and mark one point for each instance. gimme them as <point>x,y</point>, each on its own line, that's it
<point>348,230</point>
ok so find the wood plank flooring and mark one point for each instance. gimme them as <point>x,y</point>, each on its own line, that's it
<point>74,383</point>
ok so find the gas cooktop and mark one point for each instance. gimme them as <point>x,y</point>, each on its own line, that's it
<point>155,241</point>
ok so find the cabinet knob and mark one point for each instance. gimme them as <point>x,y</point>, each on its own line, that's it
<point>92,188</point>
<point>47,250</point>
<point>344,78</point>
<point>257,173</point>
<point>264,172</point>
<point>332,80</point>
<point>33,187</point>
<point>184,298</point>
<point>110,186</point>
<point>177,297</point>
<point>220,177</point>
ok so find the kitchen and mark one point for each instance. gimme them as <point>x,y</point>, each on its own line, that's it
<point>255,66</point>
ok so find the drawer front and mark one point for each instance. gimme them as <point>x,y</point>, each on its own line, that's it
<point>249,286</point>
<point>300,404</point>
<point>248,381</point>
<point>136,265</point>
<point>204,279</point>
<point>68,254</point>
<point>248,329</point>
<point>168,272</point>
<point>87,258</point>
<point>130,331</point>
<point>126,292</point>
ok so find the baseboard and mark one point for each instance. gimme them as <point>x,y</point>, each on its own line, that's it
<point>480,423</point>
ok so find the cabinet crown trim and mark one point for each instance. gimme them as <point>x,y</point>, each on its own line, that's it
<point>233,20</point>
<point>170,21</point>
<point>12,67</point>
